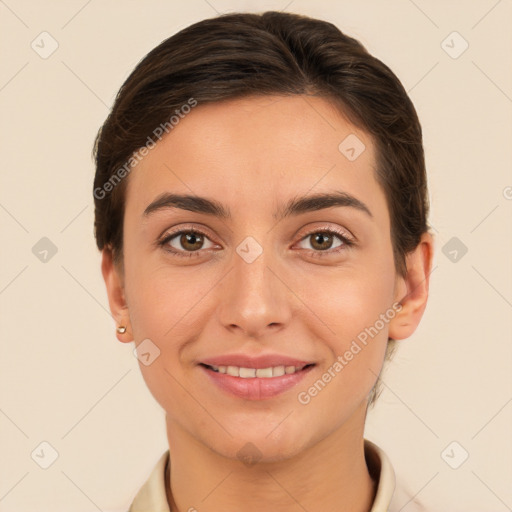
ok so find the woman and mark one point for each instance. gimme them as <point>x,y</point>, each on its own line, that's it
<point>261,208</point>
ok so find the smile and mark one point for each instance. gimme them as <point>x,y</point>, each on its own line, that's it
<point>260,373</point>
<point>255,383</point>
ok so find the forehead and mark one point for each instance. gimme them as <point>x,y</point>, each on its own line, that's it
<point>256,151</point>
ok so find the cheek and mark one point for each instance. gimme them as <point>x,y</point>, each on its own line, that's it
<point>165,309</point>
<point>363,307</point>
<point>163,302</point>
<point>351,299</point>
<point>358,314</point>
<point>357,307</point>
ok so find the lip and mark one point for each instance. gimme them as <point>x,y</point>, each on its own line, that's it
<point>255,388</point>
<point>263,361</point>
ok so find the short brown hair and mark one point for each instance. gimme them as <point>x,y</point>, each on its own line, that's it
<point>241,54</point>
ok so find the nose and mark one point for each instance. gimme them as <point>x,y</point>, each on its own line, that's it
<point>254,297</point>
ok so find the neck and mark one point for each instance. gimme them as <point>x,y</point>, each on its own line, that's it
<point>331,475</point>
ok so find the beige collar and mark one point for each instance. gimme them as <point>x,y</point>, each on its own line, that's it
<point>152,495</point>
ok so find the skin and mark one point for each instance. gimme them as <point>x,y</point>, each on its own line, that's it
<point>253,155</point>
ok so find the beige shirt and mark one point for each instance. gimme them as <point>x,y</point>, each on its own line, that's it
<point>152,497</point>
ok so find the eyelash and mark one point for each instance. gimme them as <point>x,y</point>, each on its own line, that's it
<point>347,243</point>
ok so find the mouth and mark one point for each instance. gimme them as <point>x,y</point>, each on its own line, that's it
<point>257,373</point>
<point>251,383</point>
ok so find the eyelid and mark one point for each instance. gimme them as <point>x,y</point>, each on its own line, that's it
<point>342,232</point>
<point>194,226</point>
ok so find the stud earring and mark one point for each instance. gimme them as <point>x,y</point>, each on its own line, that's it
<point>121,329</point>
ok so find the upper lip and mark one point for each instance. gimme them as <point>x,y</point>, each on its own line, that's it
<point>247,361</point>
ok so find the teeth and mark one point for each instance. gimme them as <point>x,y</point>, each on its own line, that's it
<point>233,370</point>
<point>277,371</point>
<point>261,372</point>
<point>249,373</point>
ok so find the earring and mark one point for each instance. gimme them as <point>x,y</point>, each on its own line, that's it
<point>121,329</point>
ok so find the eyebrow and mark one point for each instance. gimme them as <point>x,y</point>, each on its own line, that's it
<point>293,207</point>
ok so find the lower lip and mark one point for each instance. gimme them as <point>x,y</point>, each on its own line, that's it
<point>256,388</point>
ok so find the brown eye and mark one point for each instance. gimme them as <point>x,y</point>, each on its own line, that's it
<point>186,242</point>
<point>191,241</point>
<point>321,241</point>
<point>329,241</point>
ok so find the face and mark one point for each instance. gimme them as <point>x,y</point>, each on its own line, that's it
<point>267,285</point>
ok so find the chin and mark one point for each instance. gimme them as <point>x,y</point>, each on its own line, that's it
<point>257,446</point>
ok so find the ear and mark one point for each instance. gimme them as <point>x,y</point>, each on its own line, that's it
<point>114,281</point>
<point>412,290</point>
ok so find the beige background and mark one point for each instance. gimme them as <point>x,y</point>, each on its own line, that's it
<point>66,380</point>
